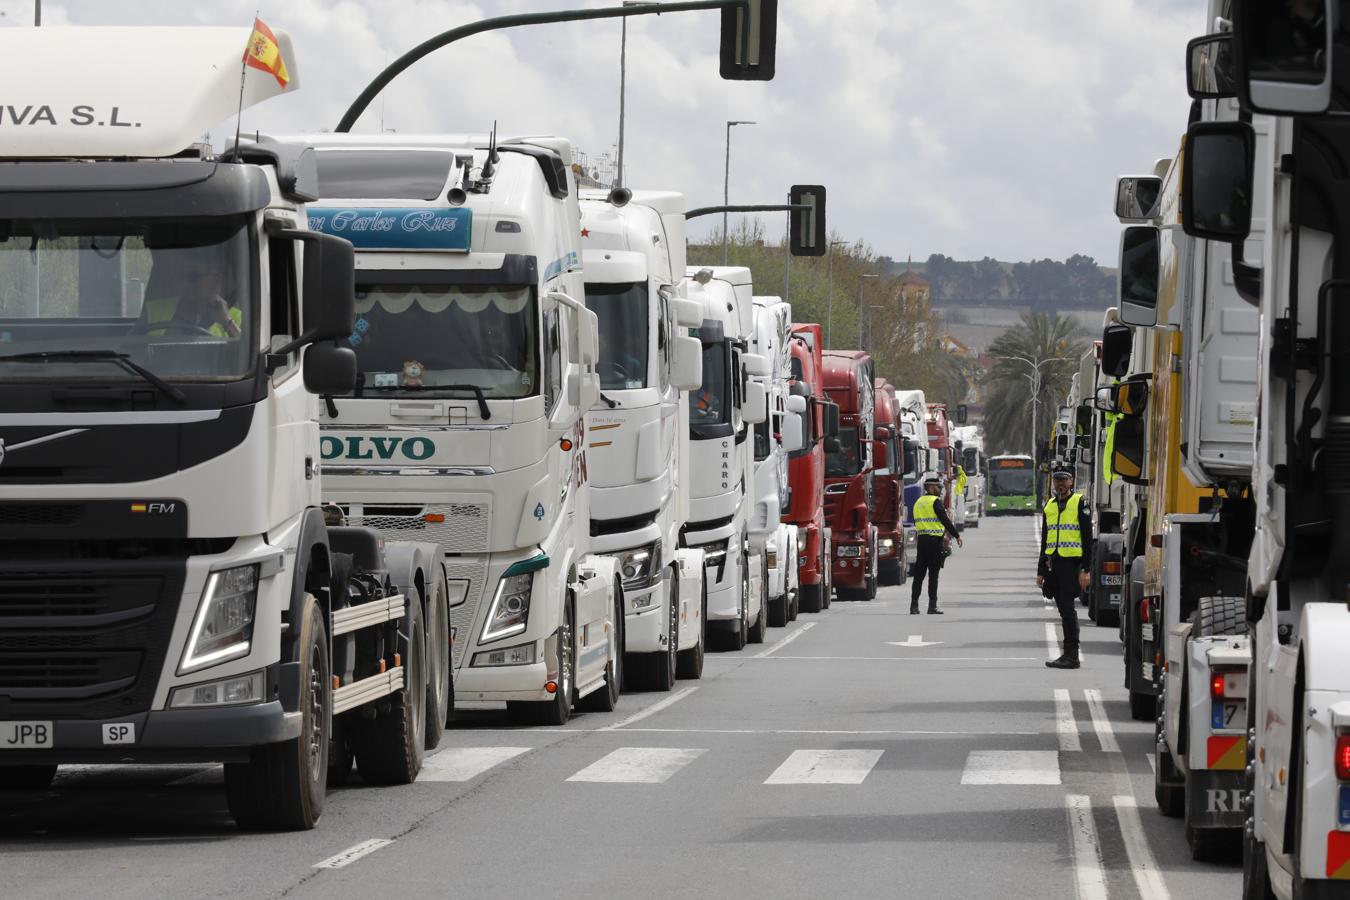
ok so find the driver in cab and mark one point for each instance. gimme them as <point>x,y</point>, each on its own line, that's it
<point>198,308</point>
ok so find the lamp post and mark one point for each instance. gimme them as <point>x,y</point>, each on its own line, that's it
<point>623,89</point>
<point>1035,379</point>
<point>726,191</point>
<point>829,303</point>
<point>862,310</point>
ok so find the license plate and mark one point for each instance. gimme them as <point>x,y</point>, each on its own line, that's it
<point>1228,715</point>
<point>1112,580</point>
<point>1344,819</point>
<point>25,735</point>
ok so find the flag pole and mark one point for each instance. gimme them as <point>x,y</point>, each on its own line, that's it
<point>243,74</point>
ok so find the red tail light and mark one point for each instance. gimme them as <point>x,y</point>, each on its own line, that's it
<point>1343,757</point>
<point>1143,610</point>
<point>1216,680</point>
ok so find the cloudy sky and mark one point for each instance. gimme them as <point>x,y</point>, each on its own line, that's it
<point>963,127</point>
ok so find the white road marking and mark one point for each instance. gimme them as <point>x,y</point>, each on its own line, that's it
<point>1051,640</point>
<point>825,767</point>
<point>1012,767</point>
<point>1066,726</point>
<point>902,733</point>
<point>1147,876</point>
<point>1087,849</point>
<point>466,763</point>
<point>651,710</point>
<point>915,640</point>
<point>1152,762</point>
<point>352,854</point>
<point>637,765</point>
<point>1101,722</point>
<point>769,651</point>
<point>913,658</point>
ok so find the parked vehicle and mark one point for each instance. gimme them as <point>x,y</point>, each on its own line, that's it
<point>806,470</point>
<point>849,473</point>
<point>888,490</point>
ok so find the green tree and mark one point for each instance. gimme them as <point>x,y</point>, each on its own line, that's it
<point>1054,341</point>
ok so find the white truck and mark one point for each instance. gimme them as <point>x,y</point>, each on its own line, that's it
<point>172,591</point>
<point>914,428</point>
<point>1289,163</point>
<point>633,257</point>
<point>467,426</point>
<point>727,405</point>
<point>971,441</point>
<point>779,435</point>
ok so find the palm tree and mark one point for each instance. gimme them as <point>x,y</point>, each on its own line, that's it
<point>1056,342</point>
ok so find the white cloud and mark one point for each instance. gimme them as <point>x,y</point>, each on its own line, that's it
<point>964,127</point>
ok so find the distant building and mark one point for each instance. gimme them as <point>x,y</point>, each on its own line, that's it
<point>913,287</point>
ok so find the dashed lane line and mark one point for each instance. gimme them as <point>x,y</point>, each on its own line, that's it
<point>353,853</point>
<point>1089,878</point>
<point>806,626</point>
<point>1066,726</point>
<point>1101,722</point>
<point>1147,877</point>
<point>1051,640</point>
<point>650,710</point>
<point>924,658</point>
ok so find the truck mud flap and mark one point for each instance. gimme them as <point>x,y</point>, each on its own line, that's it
<point>1214,800</point>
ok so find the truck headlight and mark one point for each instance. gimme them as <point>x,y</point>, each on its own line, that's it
<point>850,550</point>
<point>510,610</point>
<point>640,568</point>
<point>223,628</point>
<point>234,691</point>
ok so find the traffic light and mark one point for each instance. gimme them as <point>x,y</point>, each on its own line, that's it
<point>749,38</point>
<point>807,223</point>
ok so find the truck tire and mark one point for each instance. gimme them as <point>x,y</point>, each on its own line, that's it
<point>1143,706</point>
<point>1171,797</point>
<point>760,629</point>
<point>741,636</point>
<point>440,686</point>
<point>691,660</point>
<point>26,778</point>
<point>888,573</point>
<point>1221,617</point>
<point>810,597</point>
<point>558,710</point>
<point>390,747</point>
<point>658,669</point>
<point>607,698</point>
<point>826,574</point>
<point>282,786</point>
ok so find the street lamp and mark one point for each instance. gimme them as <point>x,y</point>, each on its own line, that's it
<point>862,310</point>
<point>623,88</point>
<point>726,190</point>
<point>829,303</point>
<point>1035,379</point>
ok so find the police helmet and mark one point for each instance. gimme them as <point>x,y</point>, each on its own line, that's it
<point>932,478</point>
<point>1061,471</point>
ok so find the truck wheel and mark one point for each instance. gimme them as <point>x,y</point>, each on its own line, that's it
<point>1143,706</point>
<point>26,778</point>
<point>1206,844</point>
<point>607,698</point>
<point>390,747</point>
<point>1221,617</point>
<point>558,710</point>
<point>439,686</point>
<point>282,786</point>
<point>826,576</point>
<point>1170,796</point>
<point>691,660</point>
<point>1255,874</point>
<point>741,636</point>
<point>810,597</point>
<point>777,608</point>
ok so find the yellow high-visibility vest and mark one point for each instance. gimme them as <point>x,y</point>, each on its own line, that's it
<point>925,516</point>
<point>1062,534</point>
<point>162,310</point>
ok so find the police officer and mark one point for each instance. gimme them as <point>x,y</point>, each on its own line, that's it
<point>1066,549</point>
<point>932,524</point>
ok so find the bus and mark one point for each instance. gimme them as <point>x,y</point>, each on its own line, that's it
<point>1010,485</point>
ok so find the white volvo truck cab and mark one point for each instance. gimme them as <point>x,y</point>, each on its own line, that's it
<point>722,413</point>
<point>780,434</point>
<point>633,256</point>
<point>477,364</point>
<point>171,590</point>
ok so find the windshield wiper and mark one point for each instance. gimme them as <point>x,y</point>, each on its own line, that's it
<point>610,401</point>
<point>472,388</point>
<point>122,360</point>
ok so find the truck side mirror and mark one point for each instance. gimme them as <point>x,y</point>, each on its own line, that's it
<point>793,431</point>
<point>806,220</point>
<point>1209,67</point>
<point>688,313</point>
<point>1127,454</point>
<point>583,388</point>
<point>880,458</point>
<point>586,340</point>
<point>329,290</point>
<point>755,408</point>
<point>832,421</point>
<point>1140,267</point>
<point>749,41</point>
<point>1216,185</point>
<point>1117,346</point>
<point>686,363</point>
<point>1085,417</point>
<point>1129,398</point>
<point>755,365</point>
<point>1283,55</point>
<point>1137,198</point>
<point>329,369</point>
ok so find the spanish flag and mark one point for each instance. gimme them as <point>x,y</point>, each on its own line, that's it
<point>263,52</point>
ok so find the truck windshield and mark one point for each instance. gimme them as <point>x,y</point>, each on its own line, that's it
<point>847,460</point>
<point>420,337</point>
<point>911,463</point>
<point>710,404</point>
<point>175,296</point>
<point>970,460</point>
<point>1010,483</point>
<point>622,311</point>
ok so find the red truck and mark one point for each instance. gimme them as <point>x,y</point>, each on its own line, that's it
<point>806,470</point>
<point>888,487</point>
<point>940,439</point>
<point>848,475</point>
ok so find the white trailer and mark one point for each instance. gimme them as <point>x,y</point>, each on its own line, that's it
<point>775,438</point>
<point>971,438</point>
<point>468,427</point>
<point>173,591</point>
<point>634,261</point>
<point>721,413</point>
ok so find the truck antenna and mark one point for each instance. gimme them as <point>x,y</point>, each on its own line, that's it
<point>490,167</point>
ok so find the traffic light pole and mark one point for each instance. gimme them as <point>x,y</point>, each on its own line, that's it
<point>715,210</point>
<point>398,66</point>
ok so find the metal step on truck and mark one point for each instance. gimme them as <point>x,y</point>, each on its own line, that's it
<point>170,591</point>
<point>477,358</point>
<point>633,256</point>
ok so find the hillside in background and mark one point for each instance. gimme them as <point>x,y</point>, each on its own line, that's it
<point>1042,285</point>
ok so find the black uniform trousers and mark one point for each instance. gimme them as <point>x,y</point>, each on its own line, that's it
<point>1063,582</point>
<point>930,554</point>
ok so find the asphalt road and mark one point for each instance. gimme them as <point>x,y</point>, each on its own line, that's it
<point>859,752</point>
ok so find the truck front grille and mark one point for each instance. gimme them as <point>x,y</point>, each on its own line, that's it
<point>457,527</point>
